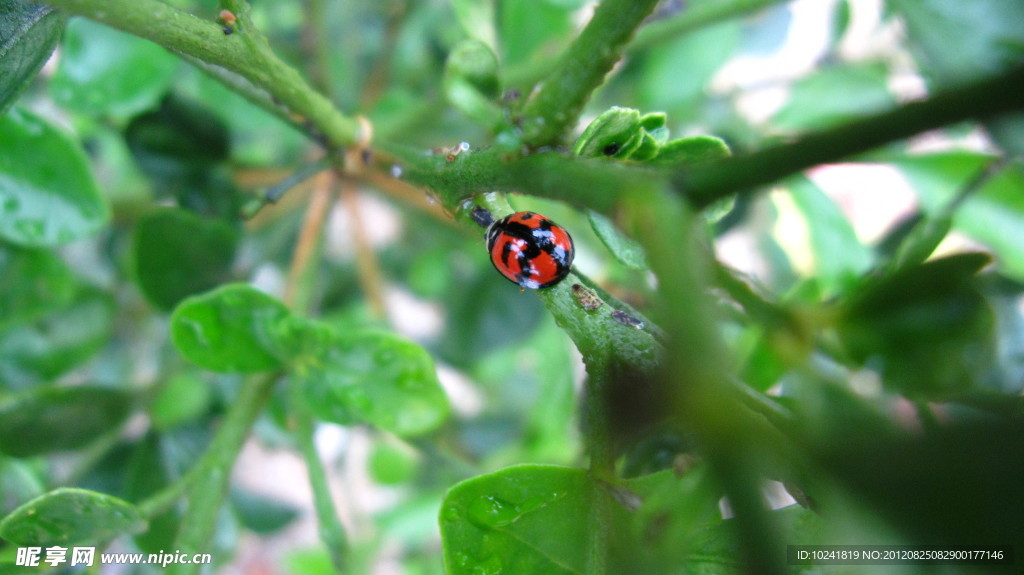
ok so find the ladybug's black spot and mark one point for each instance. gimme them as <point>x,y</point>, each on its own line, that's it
<point>611,149</point>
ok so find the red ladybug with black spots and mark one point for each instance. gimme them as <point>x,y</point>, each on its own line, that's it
<point>530,250</point>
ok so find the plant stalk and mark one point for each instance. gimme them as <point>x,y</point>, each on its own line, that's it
<point>555,107</point>
<point>244,52</point>
<point>332,532</point>
<point>983,99</point>
<point>207,483</point>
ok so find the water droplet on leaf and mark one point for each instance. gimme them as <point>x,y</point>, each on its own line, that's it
<point>491,513</point>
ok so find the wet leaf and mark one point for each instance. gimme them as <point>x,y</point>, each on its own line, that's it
<point>369,377</point>
<point>226,330</point>
<point>544,518</point>
<point>29,31</point>
<point>47,419</point>
<point>47,194</point>
<point>523,519</point>
<point>68,516</point>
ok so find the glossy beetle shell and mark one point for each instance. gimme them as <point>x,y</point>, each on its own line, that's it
<point>530,250</point>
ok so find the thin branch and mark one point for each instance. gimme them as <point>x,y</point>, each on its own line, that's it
<point>367,266</point>
<point>208,482</point>
<point>602,185</point>
<point>244,52</point>
<point>296,293</point>
<point>653,34</point>
<point>979,100</point>
<point>331,531</point>
<point>556,106</point>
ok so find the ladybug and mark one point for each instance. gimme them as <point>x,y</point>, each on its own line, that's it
<point>530,250</point>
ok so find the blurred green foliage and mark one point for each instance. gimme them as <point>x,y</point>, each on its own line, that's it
<point>878,379</point>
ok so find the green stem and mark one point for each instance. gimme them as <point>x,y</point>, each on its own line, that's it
<point>208,481</point>
<point>556,106</point>
<point>602,185</point>
<point>652,34</point>
<point>588,183</point>
<point>331,531</point>
<point>979,100</point>
<point>245,52</point>
<point>695,368</point>
<point>600,531</point>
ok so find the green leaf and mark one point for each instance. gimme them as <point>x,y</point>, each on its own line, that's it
<point>926,328</point>
<point>31,282</point>
<point>177,140</point>
<point>370,377</point>
<point>391,465</point>
<point>614,134</point>
<point>105,72</point>
<point>203,250</point>
<point>523,519</point>
<point>834,96</point>
<point>260,513</point>
<point>678,522</point>
<point>692,151</point>
<point>958,482</point>
<point>957,41</point>
<point>484,315</point>
<point>993,214</point>
<point>700,53</point>
<point>68,516</point>
<point>56,342</point>
<point>625,249</point>
<point>553,520</point>
<point>47,194</point>
<point>29,31</point>
<point>477,20</point>
<point>184,147</point>
<point>185,397</point>
<point>533,31</point>
<point>471,82</point>
<point>18,484</point>
<point>839,256</point>
<point>227,329</point>
<point>1008,132</point>
<point>47,419</point>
